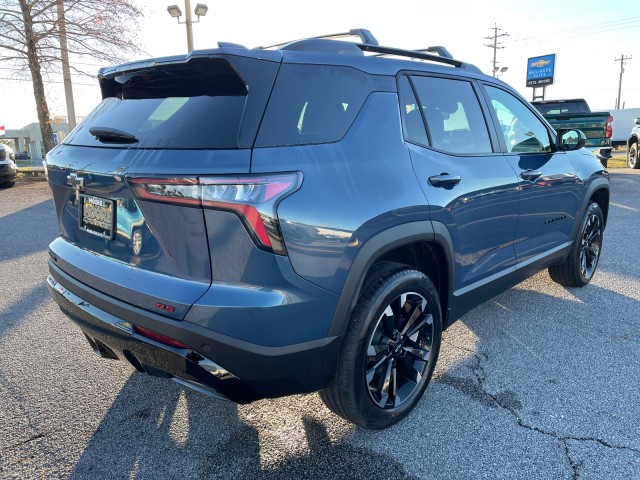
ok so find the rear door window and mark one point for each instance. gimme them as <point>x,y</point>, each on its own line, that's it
<point>455,122</point>
<point>193,105</point>
<point>412,124</point>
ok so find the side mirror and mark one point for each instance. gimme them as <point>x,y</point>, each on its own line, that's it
<point>570,140</point>
<point>637,121</point>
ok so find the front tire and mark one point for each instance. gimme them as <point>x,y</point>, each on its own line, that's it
<point>389,351</point>
<point>578,268</point>
<point>632,157</point>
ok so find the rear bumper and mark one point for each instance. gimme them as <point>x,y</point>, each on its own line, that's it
<point>215,364</point>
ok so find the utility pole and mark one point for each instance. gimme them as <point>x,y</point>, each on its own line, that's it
<point>495,45</point>
<point>66,73</point>
<point>622,60</point>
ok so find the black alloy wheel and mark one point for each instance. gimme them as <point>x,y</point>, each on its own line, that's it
<point>398,350</point>
<point>389,350</point>
<point>578,268</point>
<point>590,246</point>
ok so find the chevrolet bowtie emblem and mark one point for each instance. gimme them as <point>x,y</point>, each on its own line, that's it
<point>75,181</point>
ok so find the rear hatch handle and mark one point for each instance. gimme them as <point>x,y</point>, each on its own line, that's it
<point>112,135</point>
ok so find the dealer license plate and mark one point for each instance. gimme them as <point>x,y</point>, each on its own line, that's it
<point>97,216</point>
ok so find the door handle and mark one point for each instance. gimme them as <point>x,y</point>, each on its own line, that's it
<point>445,180</point>
<point>530,174</point>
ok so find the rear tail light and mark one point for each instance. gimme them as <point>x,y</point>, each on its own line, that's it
<point>254,199</point>
<point>608,133</point>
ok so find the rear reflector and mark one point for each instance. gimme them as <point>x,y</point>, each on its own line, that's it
<point>158,337</point>
<point>254,199</point>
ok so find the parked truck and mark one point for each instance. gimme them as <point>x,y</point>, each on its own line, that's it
<point>623,121</point>
<point>576,114</point>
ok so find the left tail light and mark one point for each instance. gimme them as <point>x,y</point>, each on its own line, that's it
<point>608,133</point>
<point>253,198</point>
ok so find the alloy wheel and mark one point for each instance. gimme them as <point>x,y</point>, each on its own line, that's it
<point>399,350</point>
<point>590,246</point>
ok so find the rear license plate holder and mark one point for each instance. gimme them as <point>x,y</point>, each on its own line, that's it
<point>97,216</point>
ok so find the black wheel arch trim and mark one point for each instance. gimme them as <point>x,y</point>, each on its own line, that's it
<point>378,245</point>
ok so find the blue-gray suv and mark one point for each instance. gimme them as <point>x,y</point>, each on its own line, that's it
<point>253,223</point>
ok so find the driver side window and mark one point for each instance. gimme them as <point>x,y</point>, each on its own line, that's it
<point>523,131</point>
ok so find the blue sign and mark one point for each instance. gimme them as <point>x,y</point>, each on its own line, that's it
<point>540,70</point>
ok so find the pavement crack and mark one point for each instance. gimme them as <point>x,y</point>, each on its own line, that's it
<point>503,402</point>
<point>32,438</point>
<point>574,466</point>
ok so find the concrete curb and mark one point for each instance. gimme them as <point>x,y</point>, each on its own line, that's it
<point>31,173</point>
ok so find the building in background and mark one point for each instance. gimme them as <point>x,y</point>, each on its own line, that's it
<point>29,138</point>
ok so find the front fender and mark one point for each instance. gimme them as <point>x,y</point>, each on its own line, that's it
<point>599,183</point>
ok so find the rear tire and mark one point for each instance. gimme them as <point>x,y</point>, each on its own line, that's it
<point>632,157</point>
<point>389,350</point>
<point>578,268</point>
<point>7,185</point>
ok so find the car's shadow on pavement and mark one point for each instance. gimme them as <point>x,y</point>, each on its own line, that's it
<point>173,432</point>
<point>23,307</point>
<point>17,241</point>
<point>525,369</point>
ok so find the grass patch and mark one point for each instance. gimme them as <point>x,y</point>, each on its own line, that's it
<point>617,161</point>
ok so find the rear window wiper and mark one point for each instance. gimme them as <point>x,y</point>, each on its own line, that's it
<point>112,135</point>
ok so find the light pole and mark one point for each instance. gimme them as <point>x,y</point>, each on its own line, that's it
<point>200,11</point>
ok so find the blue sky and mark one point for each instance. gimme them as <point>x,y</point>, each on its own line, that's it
<point>585,35</point>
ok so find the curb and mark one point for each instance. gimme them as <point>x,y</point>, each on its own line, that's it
<point>31,173</point>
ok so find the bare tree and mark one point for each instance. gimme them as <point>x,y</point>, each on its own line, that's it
<point>95,29</point>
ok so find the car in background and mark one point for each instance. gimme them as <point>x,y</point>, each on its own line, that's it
<point>632,146</point>
<point>23,156</point>
<point>8,169</point>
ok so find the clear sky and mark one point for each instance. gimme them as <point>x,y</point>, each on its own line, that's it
<point>586,35</point>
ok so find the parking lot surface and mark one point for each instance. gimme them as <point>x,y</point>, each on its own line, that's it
<point>540,382</point>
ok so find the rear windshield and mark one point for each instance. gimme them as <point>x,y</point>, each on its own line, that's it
<point>313,104</point>
<point>560,108</point>
<point>194,105</point>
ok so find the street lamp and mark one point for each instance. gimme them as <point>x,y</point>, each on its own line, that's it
<point>497,71</point>
<point>200,11</point>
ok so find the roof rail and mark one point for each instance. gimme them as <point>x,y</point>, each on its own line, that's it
<point>370,44</point>
<point>365,37</point>
<point>440,50</point>
<point>443,55</point>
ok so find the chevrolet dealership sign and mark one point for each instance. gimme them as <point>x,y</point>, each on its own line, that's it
<point>540,70</point>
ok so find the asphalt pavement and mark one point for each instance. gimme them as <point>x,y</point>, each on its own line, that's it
<point>540,382</point>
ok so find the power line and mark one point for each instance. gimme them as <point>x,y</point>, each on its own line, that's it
<point>610,25</point>
<point>495,45</point>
